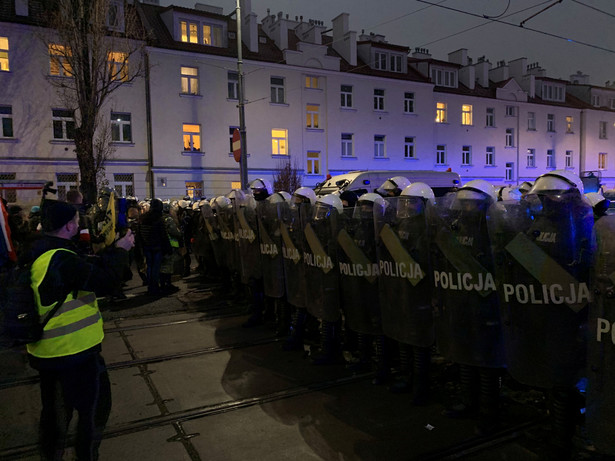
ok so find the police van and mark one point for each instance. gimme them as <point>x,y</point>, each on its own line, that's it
<point>363,181</point>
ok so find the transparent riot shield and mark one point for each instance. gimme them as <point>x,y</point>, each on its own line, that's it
<point>249,243</point>
<point>542,249</point>
<point>402,236</point>
<point>320,260</point>
<point>226,221</point>
<point>212,231</point>
<point>271,248</point>
<point>466,316</point>
<point>291,232</point>
<point>600,405</point>
<point>358,271</point>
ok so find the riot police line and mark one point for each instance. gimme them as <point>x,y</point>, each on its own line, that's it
<point>520,280</point>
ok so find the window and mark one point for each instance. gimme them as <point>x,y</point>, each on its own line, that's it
<point>231,130</point>
<point>510,138</point>
<point>596,101</point>
<point>189,32</point>
<point>509,172</point>
<point>212,35</point>
<point>440,154</point>
<point>10,195</point>
<point>380,61</point>
<point>409,147</point>
<point>64,183</point>
<point>115,15</point>
<point>6,116</point>
<point>346,95</point>
<point>121,130</point>
<point>490,117</point>
<point>379,145</point>
<point>277,90</point>
<point>59,64</point>
<point>408,103</point>
<point>531,121</point>
<point>568,159</point>
<point>552,92</point>
<point>569,124</point>
<point>194,189</point>
<point>347,145</point>
<point>612,103</point>
<point>378,99</point>
<point>233,85</point>
<point>118,66</point>
<point>490,156</point>
<point>550,122</point>
<point>442,77</point>
<point>311,82</point>
<point>395,63</point>
<point>313,163</point>
<point>63,124</point>
<point>440,112</point>
<point>466,114</point>
<point>4,54</point>
<point>279,142</point>
<point>531,158</point>
<point>311,116</point>
<point>602,130</point>
<point>466,155</point>
<point>602,160</point>
<point>124,184</point>
<point>190,80</point>
<point>550,158</point>
<point>192,138</point>
<point>511,111</point>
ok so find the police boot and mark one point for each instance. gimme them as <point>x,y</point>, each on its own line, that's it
<point>563,416</point>
<point>468,404</point>
<point>420,385</point>
<point>488,401</point>
<point>330,348</point>
<point>403,383</point>
<point>282,317</point>
<point>383,369</point>
<point>364,351</point>
<point>297,328</point>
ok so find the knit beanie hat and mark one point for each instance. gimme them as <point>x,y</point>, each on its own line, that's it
<point>56,214</point>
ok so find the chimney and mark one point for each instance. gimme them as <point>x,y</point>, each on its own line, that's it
<point>344,41</point>
<point>482,67</point>
<point>21,7</point>
<point>459,57</point>
<point>467,76</point>
<point>249,26</point>
<point>536,70</point>
<point>516,68</point>
<point>500,73</point>
<point>582,79</point>
<point>421,53</point>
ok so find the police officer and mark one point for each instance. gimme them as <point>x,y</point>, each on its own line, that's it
<point>72,372</point>
<point>392,187</point>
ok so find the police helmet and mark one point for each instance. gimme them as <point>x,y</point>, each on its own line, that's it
<point>304,193</point>
<point>350,197</point>
<point>393,186</point>
<point>261,188</point>
<point>196,206</point>
<point>223,202</point>
<point>166,206</point>
<point>325,204</point>
<point>525,187</point>
<point>372,199</point>
<point>419,189</point>
<point>477,189</point>
<point>183,203</point>
<point>556,182</point>
<point>279,197</point>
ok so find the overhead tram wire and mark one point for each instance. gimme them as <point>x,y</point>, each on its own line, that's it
<point>594,8</point>
<point>548,34</point>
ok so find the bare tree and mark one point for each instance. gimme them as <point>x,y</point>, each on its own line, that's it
<point>98,44</point>
<point>287,177</point>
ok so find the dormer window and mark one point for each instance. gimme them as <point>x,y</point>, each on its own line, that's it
<point>189,32</point>
<point>115,16</point>
<point>388,61</point>
<point>201,32</point>
<point>212,35</point>
<point>444,77</point>
<point>551,92</point>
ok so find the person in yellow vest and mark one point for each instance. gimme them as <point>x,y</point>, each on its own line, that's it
<point>73,374</point>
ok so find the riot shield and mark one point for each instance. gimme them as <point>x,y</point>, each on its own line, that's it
<point>402,236</point>
<point>212,232</point>
<point>466,317</point>
<point>226,221</point>
<point>249,243</point>
<point>291,230</point>
<point>358,271</point>
<point>271,248</point>
<point>320,261</point>
<point>542,248</point>
<point>600,406</point>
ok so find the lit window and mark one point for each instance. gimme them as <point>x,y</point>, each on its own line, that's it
<point>311,116</point>
<point>490,156</point>
<point>550,122</point>
<point>6,116</point>
<point>346,95</point>
<point>550,158</point>
<point>121,130</point>
<point>347,145</point>
<point>441,154</point>
<point>568,159</point>
<point>379,150</point>
<point>531,121</point>
<point>569,124</point>
<point>313,163</point>
<point>440,112</point>
<point>466,114</point>
<point>118,66</point>
<point>192,138</point>
<point>190,80</point>
<point>194,189</point>
<point>311,82</point>
<point>509,172</point>
<point>277,90</point>
<point>466,155</point>
<point>189,32</point>
<point>409,147</point>
<point>510,137</point>
<point>408,103</point>
<point>124,184</point>
<point>4,54</point>
<point>378,99</point>
<point>602,160</point>
<point>602,130</point>
<point>63,124</point>
<point>59,61</point>
<point>490,117</point>
<point>233,85</point>
<point>279,142</point>
<point>212,35</point>
<point>531,158</point>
